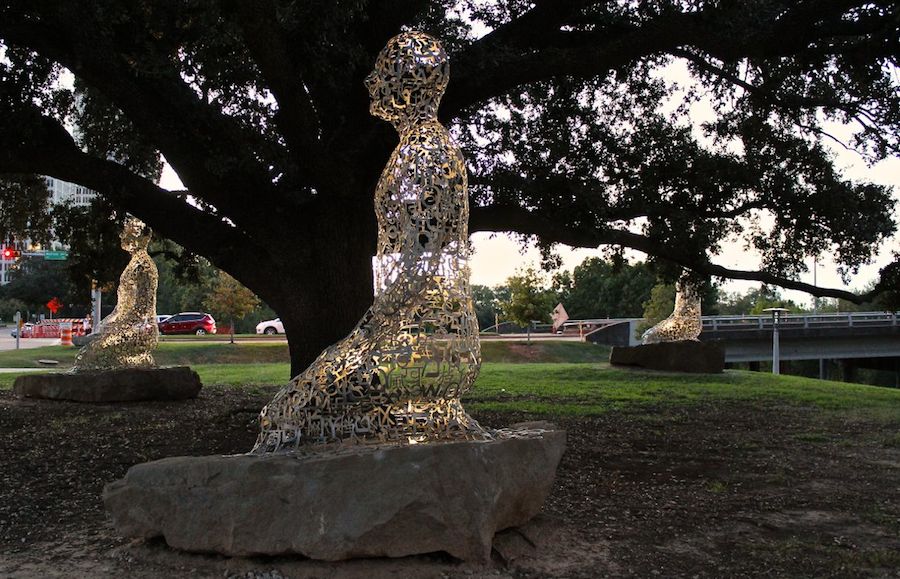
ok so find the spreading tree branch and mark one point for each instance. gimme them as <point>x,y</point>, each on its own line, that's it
<point>518,55</point>
<point>207,149</point>
<point>518,220</point>
<point>45,147</point>
<point>297,117</point>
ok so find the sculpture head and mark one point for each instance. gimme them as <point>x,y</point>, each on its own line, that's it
<point>410,77</point>
<point>135,235</point>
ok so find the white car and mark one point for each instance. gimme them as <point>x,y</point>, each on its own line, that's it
<point>270,327</point>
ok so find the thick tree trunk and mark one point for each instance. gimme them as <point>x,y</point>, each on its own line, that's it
<point>322,295</point>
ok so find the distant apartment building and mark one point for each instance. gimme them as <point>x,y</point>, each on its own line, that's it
<point>60,192</point>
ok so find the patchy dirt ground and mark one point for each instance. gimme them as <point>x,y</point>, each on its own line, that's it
<point>710,490</point>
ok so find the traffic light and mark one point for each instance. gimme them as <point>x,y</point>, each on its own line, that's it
<point>10,253</point>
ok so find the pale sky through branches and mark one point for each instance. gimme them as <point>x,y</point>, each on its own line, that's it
<point>498,256</point>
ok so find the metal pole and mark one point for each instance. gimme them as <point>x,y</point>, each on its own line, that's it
<point>775,353</point>
<point>815,298</point>
<point>96,296</point>
<point>18,328</point>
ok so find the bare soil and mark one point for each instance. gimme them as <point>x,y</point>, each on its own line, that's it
<point>710,490</point>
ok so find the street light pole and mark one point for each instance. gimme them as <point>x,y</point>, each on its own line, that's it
<point>815,298</point>
<point>776,353</point>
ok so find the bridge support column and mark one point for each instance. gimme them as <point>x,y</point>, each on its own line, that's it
<point>823,375</point>
<point>848,370</point>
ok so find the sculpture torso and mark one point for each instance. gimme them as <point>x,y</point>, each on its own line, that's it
<point>129,334</point>
<point>421,269</point>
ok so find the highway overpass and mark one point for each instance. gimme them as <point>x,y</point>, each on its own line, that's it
<point>864,339</point>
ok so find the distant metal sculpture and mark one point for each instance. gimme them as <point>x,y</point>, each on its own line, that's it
<point>400,373</point>
<point>129,334</point>
<point>685,322</point>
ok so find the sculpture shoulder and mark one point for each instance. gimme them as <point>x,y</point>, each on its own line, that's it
<point>143,261</point>
<point>429,144</point>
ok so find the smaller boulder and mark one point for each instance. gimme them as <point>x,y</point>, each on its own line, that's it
<point>684,356</point>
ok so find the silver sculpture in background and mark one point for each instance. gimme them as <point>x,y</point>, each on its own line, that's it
<point>399,374</point>
<point>685,322</point>
<point>129,334</point>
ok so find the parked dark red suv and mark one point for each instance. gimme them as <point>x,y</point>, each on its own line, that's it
<point>188,323</point>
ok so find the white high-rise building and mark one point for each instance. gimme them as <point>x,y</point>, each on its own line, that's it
<point>65,192</point>
<point>60,192</point>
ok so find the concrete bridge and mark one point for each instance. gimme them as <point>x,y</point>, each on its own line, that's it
<point>858,339</point>
<point>807,337</point>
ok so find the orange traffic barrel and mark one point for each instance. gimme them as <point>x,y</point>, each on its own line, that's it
<point>65,334</point>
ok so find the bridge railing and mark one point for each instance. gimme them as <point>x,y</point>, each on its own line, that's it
<point>792,321</point>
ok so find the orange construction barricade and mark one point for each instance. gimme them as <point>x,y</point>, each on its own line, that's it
<point>65,334</point>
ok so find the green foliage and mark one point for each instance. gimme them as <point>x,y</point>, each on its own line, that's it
<point>229,299</point>
<point>105,132</point>
<point>36,281</point>
<point>754,301</point>
<point>601,288</point>
<point>23,208</point>
<point>528,300</point>
<point>658,307</point>
<point>184,279</point>
<point>92,235</point>
<point>9,307</point>
<point>487,305</point>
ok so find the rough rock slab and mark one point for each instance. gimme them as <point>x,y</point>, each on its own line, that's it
<point>385,501</point>
<point>125,385</point>
<point>685,356</point>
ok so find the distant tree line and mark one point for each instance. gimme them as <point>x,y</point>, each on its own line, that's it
<point>601,288</point>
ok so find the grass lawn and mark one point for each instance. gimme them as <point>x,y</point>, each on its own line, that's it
<point>591,389</point>
<point>552,378</point>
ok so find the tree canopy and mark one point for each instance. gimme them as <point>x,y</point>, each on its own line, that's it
<point>600,288</point>
<point>529,301</point>
<point>230,299</point>
<point>572,129</point>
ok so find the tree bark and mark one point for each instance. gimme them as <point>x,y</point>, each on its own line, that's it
<point>322,296</point>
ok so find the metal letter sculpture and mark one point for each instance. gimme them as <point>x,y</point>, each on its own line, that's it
<point>129,334</point>
<point>399,374</point>
<point>684,323</point>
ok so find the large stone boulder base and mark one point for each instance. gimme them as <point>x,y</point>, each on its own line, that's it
<point>125,385</point>
<point>389,501</point>
<point>684,356</point>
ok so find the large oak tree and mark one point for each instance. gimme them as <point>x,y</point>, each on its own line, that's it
<point>571,131</point>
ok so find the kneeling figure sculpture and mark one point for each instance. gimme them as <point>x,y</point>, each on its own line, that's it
<point>685,323</point>
<point>399,374</point>
<point>129,334</point>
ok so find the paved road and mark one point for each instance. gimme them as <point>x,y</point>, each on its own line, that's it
<point>7,342</point>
